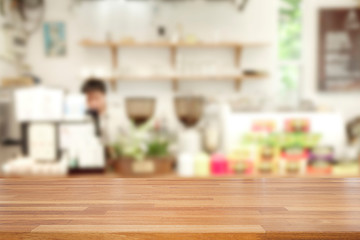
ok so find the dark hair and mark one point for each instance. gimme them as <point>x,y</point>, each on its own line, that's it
<point>94,84</point>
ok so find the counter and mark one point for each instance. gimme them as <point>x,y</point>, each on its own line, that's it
<point>149,209</point>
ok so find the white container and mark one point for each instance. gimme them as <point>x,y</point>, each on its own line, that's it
<point>185,165</point>
<point>202,165</point>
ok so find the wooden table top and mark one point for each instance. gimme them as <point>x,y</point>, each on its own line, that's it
<point>180,209</point>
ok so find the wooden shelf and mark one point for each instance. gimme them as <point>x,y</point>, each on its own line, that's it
<point>179,78</point>
<point>190,77</point>
<point>256,76</point>
<point>142,78</point>
<point>96,44</point>
<point>237,47</point>
<point>88,43</point>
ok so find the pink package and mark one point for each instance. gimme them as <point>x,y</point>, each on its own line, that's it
<point>219,165</point>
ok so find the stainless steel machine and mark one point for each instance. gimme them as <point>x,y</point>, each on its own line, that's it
<point>10,132</point>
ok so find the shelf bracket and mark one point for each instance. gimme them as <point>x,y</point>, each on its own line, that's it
<point>114,56</point>
<point>173,53</point>
<point>114,63</point>
<point>238,83</point>
<point>175,84</point>
<point>237,62</point>
<point>238,55</point>
<point>173,58</point>
<point>113,84</point>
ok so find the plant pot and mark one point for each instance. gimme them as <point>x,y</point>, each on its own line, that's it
<point>148,167</point>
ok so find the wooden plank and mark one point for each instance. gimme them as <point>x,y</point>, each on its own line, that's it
<point>200,44</point>
<point>134,236</point>
<point>152,228</point>
<point>17,82</point>
<point>192,77</point>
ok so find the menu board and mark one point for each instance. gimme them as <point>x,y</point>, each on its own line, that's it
<point>339,49</point>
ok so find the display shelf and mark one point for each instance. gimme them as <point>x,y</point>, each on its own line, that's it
<point>174,47</point>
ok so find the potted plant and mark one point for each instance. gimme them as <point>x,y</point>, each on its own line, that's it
<point>145,151</point>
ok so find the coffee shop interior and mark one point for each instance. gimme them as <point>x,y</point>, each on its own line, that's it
<point>179,88</point>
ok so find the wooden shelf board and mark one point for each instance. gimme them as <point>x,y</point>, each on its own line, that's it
<point>256,76</point>
<point>193,77</point>
<point>143,44</point>
<point>208,44</point>
<point>206,77</point>
<point>88,43</point>
<point>154,77</point>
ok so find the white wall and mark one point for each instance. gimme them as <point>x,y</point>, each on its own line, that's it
<point>7,69</point>
<point>347,104</point>
<point>136,18</point>
<point>257,23</point>
<point>95,20</point>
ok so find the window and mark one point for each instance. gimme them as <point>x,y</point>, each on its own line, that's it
<point>289,49</point>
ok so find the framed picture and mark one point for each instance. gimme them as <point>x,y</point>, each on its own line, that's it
<point>55,39</point>
<point>339,50</point>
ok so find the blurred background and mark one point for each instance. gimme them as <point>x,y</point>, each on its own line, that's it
<point>179,88</point>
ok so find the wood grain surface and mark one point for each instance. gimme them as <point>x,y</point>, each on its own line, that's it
<point>175,209</point>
